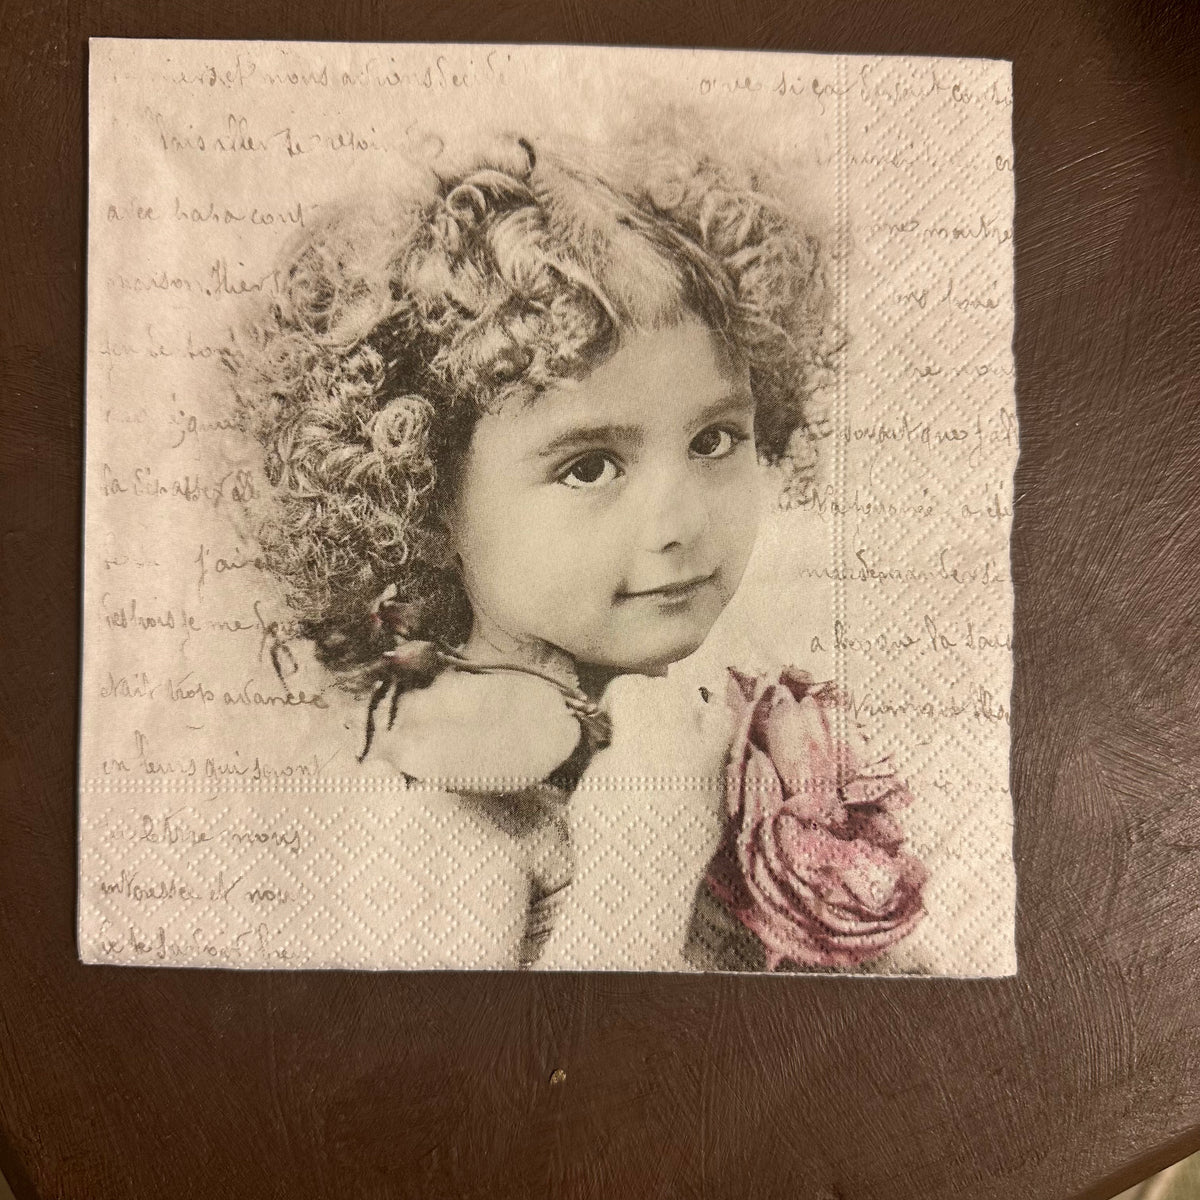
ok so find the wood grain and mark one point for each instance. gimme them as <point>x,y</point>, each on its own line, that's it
<point>1072,1080</point>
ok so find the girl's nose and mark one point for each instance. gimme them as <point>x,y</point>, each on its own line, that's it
<point>676,512</point>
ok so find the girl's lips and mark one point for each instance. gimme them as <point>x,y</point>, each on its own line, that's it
<point>670,591</point>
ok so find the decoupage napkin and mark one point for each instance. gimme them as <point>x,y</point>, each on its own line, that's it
<point>225,817</point>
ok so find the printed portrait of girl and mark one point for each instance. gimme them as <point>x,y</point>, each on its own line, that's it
<point>520,417</point>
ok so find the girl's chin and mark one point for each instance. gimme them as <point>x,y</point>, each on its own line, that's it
<point>653,664</point>
<point>649,651</point>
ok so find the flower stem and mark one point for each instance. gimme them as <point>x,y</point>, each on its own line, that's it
<point>471,665</point>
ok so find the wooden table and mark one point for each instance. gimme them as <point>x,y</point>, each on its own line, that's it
<point>1074,1079</point>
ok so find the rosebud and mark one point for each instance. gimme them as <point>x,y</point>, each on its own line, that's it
<point>399,618</point>
<point>414,657</point>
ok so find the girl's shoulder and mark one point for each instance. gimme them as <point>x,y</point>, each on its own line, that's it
<point>500,732</point>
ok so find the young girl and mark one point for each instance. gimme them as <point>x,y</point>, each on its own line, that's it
<point>515,423</point>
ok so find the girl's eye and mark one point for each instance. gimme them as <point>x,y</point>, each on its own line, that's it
<point>592,470</point>
<point>715,442</point>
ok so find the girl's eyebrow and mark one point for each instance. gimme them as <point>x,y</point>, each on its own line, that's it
<point>737,402</point>
<point>740,401</point>
<point>586,435</point>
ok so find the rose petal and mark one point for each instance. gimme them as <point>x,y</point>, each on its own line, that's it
<point>873,825</point>
<point>825,901</point>
<point>744,709</point>
<point>741,688</point>
<point>853,877</point>
<point>761,789</point>
<point>765,700</point>
<point>797,738</point>
<point>798,682</point>
<point>879,791</point>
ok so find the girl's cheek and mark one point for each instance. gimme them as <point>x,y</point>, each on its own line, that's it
<point>739,499</point>
<point>740,519</point>
<point>562,546</point>
<point>754,494</point>
<point>583,521</point>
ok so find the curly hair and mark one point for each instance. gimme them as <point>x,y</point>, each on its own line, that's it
<point>398,321</point>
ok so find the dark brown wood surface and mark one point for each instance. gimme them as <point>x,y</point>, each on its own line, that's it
<point>1074,1079</point>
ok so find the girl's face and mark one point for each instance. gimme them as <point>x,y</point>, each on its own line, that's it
<point>612,518</point>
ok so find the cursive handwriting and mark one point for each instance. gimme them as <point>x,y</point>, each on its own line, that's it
<point>209,212</point>
<point>251,944</point>
<point>143,483</point>
<point>444,72</point>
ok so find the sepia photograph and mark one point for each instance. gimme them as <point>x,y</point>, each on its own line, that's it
<point>547,508</point>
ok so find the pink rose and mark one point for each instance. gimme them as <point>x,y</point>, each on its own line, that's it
<point>811,862</point>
